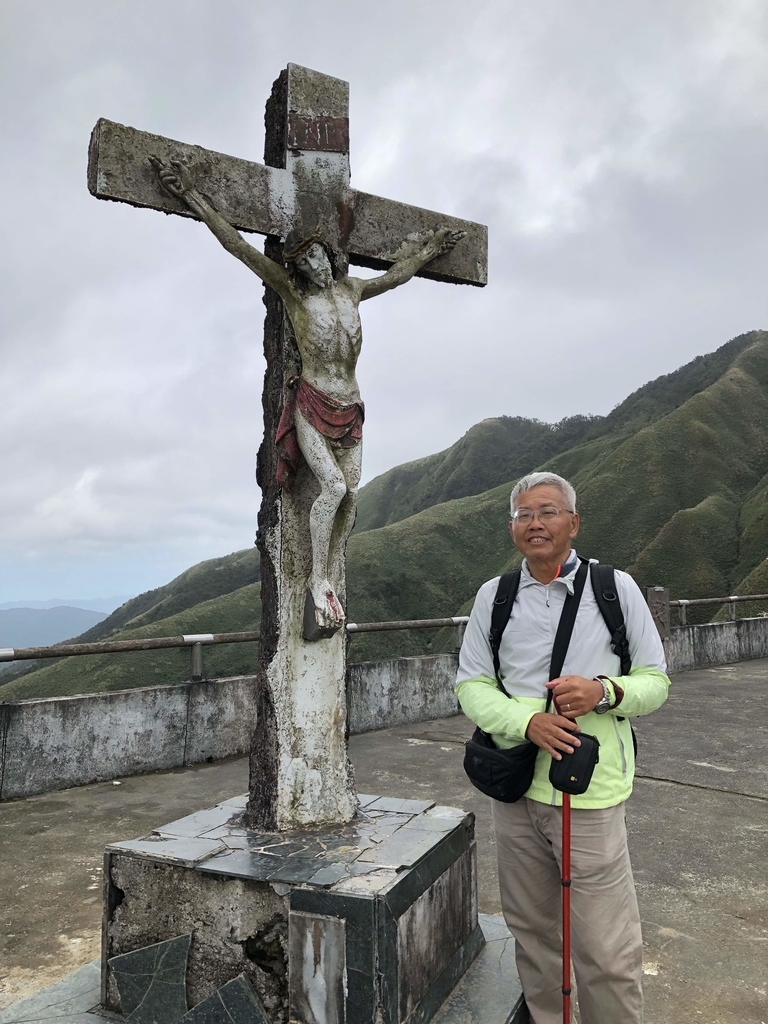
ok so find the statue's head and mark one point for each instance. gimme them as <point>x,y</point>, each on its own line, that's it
<point>309,258</point>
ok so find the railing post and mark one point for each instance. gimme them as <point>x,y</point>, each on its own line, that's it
<point>732,603</point>
<point>658,603</point>
<point>461,628</point>
<point>683,610</point>
<point>196,671</point>
<point>196,641</point>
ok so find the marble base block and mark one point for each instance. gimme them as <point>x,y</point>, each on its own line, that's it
<point>375,921</point>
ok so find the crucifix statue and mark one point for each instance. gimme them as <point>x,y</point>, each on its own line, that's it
<point>322,412</point>
<point>310,460</point>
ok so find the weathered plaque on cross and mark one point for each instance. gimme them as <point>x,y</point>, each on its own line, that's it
<point>310,459</point>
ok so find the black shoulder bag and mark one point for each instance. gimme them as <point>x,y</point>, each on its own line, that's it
<point>506,775</point>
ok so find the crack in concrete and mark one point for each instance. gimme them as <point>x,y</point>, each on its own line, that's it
<point>699,785</point>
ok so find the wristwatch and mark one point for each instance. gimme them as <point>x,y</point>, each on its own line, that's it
<point>605,703</point>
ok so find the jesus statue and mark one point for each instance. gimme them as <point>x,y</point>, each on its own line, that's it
<point>323,413</point>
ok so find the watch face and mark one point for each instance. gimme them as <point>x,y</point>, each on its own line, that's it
<point>603,706</point>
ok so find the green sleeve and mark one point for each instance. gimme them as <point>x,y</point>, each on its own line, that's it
<point>645,690</point>
<point>504,717</point>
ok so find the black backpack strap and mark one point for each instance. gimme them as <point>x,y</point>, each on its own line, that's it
<point>506,592</point>
<point>566,623</point>
<point>604,586</point>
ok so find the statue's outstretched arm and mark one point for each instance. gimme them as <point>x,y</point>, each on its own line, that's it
<point>175,180</point>
<point>436,244</point>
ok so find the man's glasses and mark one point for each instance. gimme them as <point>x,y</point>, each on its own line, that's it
<point>545,515</point>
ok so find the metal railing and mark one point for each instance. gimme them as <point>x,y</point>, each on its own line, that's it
<point>196,641</point>
<point>682,604</point>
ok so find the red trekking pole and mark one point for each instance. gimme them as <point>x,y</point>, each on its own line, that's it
<point>566,884</point>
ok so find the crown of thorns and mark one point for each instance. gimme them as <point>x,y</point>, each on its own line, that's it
<point>298,249</point>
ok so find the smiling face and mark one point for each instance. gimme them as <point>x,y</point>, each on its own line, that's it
<point>545,544</point>
<point>315,266</point>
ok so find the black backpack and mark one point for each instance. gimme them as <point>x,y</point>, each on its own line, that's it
<point>604,587</point>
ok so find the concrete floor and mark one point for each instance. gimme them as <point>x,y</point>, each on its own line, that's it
<point>698,825</point>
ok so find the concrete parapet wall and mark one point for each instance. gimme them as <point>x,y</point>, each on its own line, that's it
<point>397,691</point>
<point>716,643</point>
<point>58,742</point>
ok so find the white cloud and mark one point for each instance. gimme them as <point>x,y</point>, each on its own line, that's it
<point>616,151</point>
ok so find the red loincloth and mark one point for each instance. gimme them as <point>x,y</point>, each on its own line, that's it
<point>340,423</point>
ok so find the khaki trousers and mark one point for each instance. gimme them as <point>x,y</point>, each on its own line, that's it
<point>606,943</point>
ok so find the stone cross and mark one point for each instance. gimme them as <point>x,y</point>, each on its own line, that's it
<point>299,771</point>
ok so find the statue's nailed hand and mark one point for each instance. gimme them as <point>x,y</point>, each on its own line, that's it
<point>174,179</point>
<point>445,239</point>
<point>428,245</point>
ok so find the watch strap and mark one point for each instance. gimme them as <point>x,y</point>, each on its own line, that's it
<point>609,690</point>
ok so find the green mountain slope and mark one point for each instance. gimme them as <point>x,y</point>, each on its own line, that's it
<point>204,581</point>
<point>753,535</point>
<point>672,485</point>
<point>501,449</point>
<point>425,567</point>
<point>714,446</point>
<point>490,453</point>
<point>667,393</point>
<point>678,502</point>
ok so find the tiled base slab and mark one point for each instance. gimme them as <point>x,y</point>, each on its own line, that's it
<point>65,1002</point>
<point>376,920</point>
<point>489,992</point>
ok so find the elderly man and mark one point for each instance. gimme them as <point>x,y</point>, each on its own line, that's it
<point>592,695</point>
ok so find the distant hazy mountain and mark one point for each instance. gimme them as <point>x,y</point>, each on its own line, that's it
<point>91,604</point>
<point>672,485</point>
<point>38,627</point>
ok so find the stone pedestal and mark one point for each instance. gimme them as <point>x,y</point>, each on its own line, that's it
<point>374,921</point>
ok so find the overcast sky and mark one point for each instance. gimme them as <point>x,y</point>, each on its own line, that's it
<point>617,150</point>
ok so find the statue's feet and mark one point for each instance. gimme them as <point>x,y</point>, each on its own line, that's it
<point>328,610</point>
<point>323,614</point>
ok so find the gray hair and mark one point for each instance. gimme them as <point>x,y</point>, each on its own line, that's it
<point>525,483</point>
